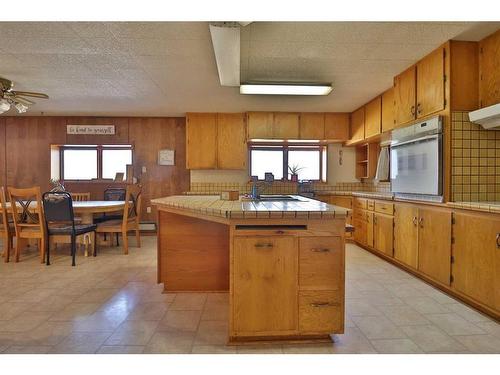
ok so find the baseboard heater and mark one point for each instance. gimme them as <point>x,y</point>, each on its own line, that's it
<point>147,226</point>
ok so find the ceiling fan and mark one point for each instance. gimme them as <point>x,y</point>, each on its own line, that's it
<point>18,99</point>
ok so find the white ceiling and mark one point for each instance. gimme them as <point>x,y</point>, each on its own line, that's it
<point>168,68</point>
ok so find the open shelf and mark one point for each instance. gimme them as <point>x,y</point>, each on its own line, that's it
<point>366,160</point>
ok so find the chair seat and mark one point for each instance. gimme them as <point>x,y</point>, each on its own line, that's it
<point>68,229</point>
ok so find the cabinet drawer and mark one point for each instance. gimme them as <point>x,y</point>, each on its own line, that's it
<point>359,215</point>
<point>384,208</point>
<point>370,204</point>
<point>321,261</point>
<point>321,312</point>
<point>359,203</point>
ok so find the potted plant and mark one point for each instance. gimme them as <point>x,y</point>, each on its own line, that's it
<point>294,169</point>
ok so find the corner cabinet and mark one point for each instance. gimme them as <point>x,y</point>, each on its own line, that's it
<point>216,141</point>
<point>358,125</point>
<point>337,126</point>
<point>373,117</point>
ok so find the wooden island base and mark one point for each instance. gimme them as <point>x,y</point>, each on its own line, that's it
<point>284,269</point>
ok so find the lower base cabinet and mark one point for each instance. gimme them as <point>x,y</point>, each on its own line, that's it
<point>476,254</point>
<point>383,227</point>
<point>406,234</point>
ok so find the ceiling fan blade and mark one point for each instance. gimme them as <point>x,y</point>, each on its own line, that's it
<point>32,94</point>
<point>22,100</point>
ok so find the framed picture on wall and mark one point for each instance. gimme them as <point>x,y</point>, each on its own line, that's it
<point>166,157</point>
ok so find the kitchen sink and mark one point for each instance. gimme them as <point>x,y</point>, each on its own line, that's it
<point>277,198</point>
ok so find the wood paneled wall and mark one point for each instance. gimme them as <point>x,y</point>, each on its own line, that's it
<point>25,152</point>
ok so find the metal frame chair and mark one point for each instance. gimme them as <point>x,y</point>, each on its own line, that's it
<point>60,220</point>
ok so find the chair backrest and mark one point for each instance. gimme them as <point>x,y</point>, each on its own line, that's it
<point>27,210</point>
<point>4,221</point>
<point>133,202</point>
<point>58,207</point>
<point>115,194</point>
<point>80,197</point>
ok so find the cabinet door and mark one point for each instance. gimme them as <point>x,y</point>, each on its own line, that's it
<point>265,277</point>
<point>373,117</point>
<point>232,149</point>
<point>286,125</point>
<point>383,233</point>
<point>260,125</point>
<point>369,229</point>
<point>405,96</point>
<point>388,110</point>
<point>430,83</point>
<point>359,230</point>
<point>406,234</point>
<point>312,126</point>
<point>201,141</point>
<point>358,125</point>
<point>337,126</point>
<point>489,61</point>
<point>434,243</point>
<point>476,269</point>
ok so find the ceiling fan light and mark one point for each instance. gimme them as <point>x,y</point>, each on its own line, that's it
<point>285,89</point>
<point>21,108</point>
<point>4,105</point>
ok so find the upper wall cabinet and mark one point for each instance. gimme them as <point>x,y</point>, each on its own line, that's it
<point>373,117</point>
<point>405,96</point>
<point>260,125</point>
<point>388,110</point>
<point>430,83</point>
<point>489,70</point>
<point>216,141</point>
<point>232,150</point>
<point>358,125</point>
<point>337,126</point>
<point>312,126</point>
<point>286,125</point>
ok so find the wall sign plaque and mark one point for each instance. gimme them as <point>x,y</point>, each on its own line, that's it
<point>90,129</point>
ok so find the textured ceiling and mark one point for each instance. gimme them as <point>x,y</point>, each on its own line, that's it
<point>168,68</point>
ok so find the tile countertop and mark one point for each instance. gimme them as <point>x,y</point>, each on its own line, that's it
<point>212,205</point>
<point>364,194</point>
<point>477,206</point>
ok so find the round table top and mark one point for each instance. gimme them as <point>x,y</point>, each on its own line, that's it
<point>89,206</point>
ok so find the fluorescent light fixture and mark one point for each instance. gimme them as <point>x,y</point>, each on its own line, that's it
<point>226,43</point>
<point>284,89</point>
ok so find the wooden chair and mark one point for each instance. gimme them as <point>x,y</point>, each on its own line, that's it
<point>130,221</point>
<point>6,231</point>
<point>29,221</point>
<point>80,197</point>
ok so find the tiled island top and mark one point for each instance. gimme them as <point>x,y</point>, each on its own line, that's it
<point>212,205</point>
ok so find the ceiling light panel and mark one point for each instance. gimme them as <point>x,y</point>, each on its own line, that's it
<point>284,89</point>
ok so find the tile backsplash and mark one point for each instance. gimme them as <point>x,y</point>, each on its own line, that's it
<point>475,172</point>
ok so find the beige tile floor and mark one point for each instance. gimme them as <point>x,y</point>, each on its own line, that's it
<point>112,304</point>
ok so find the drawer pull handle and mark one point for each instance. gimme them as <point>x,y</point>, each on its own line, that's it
<point>263,245</point>
<point>280,232</point>
<point>498,240</point>
<point>321,250</point>
<point>324,304</point>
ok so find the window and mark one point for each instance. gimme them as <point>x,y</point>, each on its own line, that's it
<point>310,159</point>
<point>87,162</point>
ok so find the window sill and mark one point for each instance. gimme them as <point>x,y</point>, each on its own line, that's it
<point>107,182</point>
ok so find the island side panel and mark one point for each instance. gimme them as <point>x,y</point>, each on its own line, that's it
<point>193,254</point>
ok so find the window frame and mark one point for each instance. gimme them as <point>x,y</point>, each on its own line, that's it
<point>285,147</point>
<point>99,149</point>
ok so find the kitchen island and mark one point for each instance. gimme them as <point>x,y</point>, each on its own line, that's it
<point>282,262</point>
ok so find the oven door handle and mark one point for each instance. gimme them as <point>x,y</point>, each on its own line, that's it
<point>416,140</point>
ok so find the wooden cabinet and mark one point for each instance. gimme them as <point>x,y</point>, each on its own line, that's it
<point>489,73</point>
<point>383,226</point>
<point>476,253</point>
<point>430,83</point>
<point>366,160</point>
<point>265,284</point>
<point>342,201</point>
<point>359,229</point>
<point>320,311</point>
<point>373,117</point>
<point>312,126</point>
<point>260,125</point>
<point>201,141</point>
<point>358,125</point>
<point>405,92</point>
<point>216,141</point>
<point>337,126</point>
<point>434,243</point>
<point>388,110</point>
<point>406,234</point>
<point>232,152</point>
<point>370,241</point>
<point>286,125</point>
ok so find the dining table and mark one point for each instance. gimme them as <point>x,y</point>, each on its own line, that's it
<point>85,211</point>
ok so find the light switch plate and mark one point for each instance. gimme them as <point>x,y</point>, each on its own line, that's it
<point>148,210</point>
<point>144,169</point>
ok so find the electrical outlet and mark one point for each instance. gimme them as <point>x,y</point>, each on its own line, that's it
<point>148,210</point>
<point>144,169</point>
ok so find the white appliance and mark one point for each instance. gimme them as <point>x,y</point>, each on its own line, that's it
<point>488,118</point>
<point>416,160</point>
